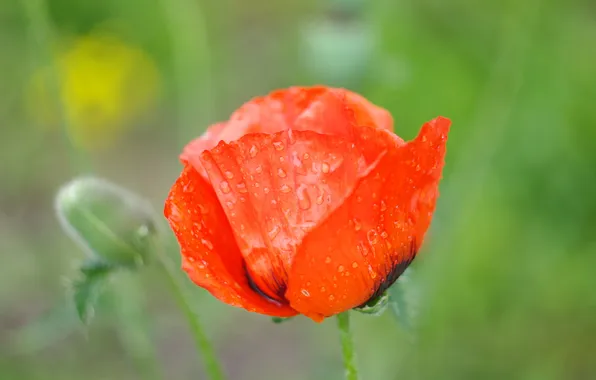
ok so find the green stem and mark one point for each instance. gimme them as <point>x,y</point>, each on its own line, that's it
<point>185,302</point>
<point>347,346</point>
<point>134,326</point>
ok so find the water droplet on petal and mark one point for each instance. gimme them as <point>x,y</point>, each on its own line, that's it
<point>354,265</point>
<point>242,188</point>
<point>327,260</point>
<point>340,268</point>
<point>303,199</point>
<point>331,297</point>
<point>224,186</point>
<point>285,188</point>
<point>266,190</point>
<point>325,167</point>
<point>306,156</point>
<point>259,169</point>
<point>273,232</point>
<point>291,138</point>
<point>281,173</point>
<point>229,175</point>
<point>372,236</point>
<point>207,244</point>
<point>357,224</point>
<point>383,206</point>
<point>253,151</point>
<point>278,145</point>
<point>305,293</point>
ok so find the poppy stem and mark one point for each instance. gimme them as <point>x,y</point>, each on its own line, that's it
<point>212,366</point>
<point>347,346</point>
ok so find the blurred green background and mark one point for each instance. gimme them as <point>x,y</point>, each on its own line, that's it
<point>508,272</point>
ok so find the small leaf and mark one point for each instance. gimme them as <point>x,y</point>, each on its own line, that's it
<point>376,306</point>
<point>86,289</point>
<point>112,224</point>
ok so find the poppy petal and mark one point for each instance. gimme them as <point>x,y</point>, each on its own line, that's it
<point>209,256</point>
<point>365,244</point>
<point>275,188</point>
<point>319,109</point>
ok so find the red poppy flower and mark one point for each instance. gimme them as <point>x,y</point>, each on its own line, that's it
<point>304,202</point>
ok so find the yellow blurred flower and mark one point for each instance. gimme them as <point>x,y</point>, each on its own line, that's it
<point>105,85</point>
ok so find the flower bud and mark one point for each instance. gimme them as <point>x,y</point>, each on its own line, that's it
<point>338,48</point>
<point>112,224</point>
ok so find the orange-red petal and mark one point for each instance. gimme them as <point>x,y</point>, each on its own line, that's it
<point>210,255</point>
<point>277,187</point>
<point>319,109</point>
<point>364,244</point>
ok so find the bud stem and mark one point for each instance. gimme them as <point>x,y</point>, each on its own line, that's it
<point>347,346</point>
<point>212,366</point>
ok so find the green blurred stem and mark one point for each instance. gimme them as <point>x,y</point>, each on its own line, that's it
<point>134,327</point>
<point>184,301</point>
<point>347,346</point>
<point>42,32</point>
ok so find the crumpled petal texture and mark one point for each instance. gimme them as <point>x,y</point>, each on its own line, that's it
<point>304,202</point>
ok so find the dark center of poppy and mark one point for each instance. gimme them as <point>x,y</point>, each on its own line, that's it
<point>276,295</point>
<point>396,271</point>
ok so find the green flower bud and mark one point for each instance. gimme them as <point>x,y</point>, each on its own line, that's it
<point>338,49</point>
<point>112,224</point>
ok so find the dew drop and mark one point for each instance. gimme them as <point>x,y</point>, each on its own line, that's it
<point>371,272</point>
<point>372,236</point>
<point>253,151</point>
<point>331,297</point>
<point>207,244</point>
<point>328,260</point>
<point>305,293</point>
<point>291,138</point>
<point>281,173</point>
<point>242,188</point>
<point>340,268</point>
<point>383,206</point>
<point>354,265</point>
<point>323,289</point>
<point>285,188</point>
<point>384,234</point>
<point>204,210</point>
<point>278,145</point>
<point>229,175</point>
<point>224,186</point>
<point>273,232</point>
<point>357,224</point>
<point>230,204</point>
<point>325,167</point>
<point>266,190</point>
<point>320,199</point>
<point>359,199</point>
<point>303,200</point>
<point>259,169</point>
